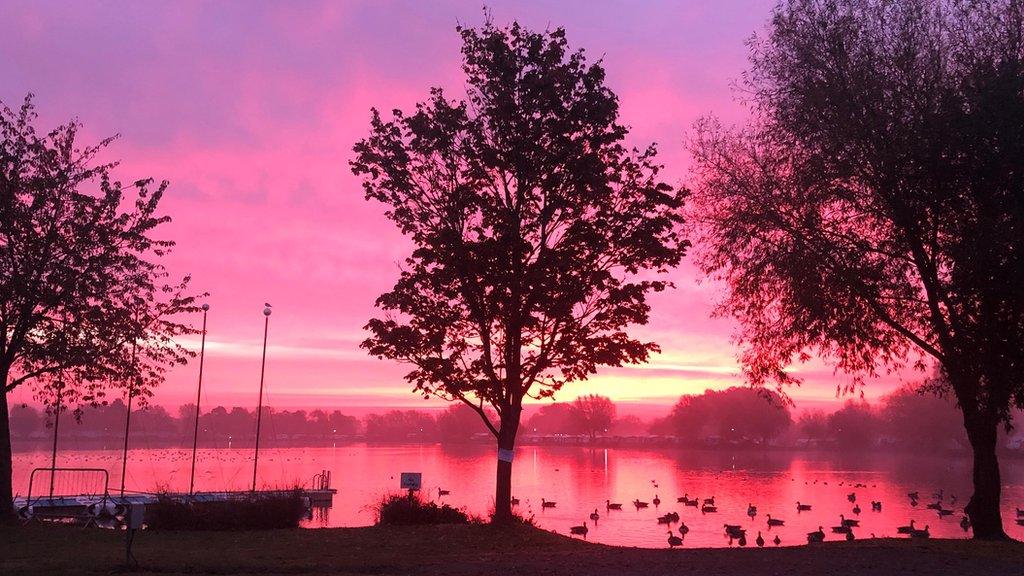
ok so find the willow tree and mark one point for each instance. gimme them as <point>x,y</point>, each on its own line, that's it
<point>86,311</point>
<point>872,212</point>
<point>538,233</point>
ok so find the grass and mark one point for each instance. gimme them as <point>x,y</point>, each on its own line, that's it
<point>266,511</point>
<point>470,549</point>
<point>411,509</point>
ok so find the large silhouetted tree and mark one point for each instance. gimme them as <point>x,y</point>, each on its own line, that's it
<point>873,210</point>
<point>84,306</point>
<point>538,233</point>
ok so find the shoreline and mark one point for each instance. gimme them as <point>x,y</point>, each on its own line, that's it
<point>472,549</point>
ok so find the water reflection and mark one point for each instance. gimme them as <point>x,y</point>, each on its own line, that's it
<point>582,479</point>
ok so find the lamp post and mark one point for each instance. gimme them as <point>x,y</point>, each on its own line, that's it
<point>199,395</point>
<point>128,414</point>
<point>259,406</point>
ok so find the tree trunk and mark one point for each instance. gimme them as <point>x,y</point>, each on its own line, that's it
<point>503,481</point>
<point>6,468</point>
<point>983,508</point>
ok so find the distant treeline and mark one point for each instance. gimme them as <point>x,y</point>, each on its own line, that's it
<point>735,416</point>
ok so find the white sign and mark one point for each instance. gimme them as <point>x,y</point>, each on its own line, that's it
<point>412,480</point>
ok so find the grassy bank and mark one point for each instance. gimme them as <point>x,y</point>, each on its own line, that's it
<point>470,549</point>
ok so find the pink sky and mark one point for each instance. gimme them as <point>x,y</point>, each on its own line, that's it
<point>250,109</point>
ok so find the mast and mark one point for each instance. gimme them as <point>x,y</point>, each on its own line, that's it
<point>199,394</point>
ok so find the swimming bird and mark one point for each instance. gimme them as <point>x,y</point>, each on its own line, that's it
<point>937,505</point>
<point>733,530</point>
<point>876,506</point>
<point>852,497</point>
<point>913,495</point>
<point>846,522</point>
<point>856,509</point>
<point>775,521</point>
<point>944,512</point>
<point>920,533</point>
<point>751,511</point>
<point>777,540</point>
<point>595,516</point>
<point>802,507</point>
<point>813,537</point>
<point>515,501</point>
<point>579,530</point>
<point>609,505</point>
<point>639,504</point>
<point>742,539</point>
<point>683,528</point>
<point>441,492</point>
<point>674,540</point>
<point>710,501</point>
<point>656,501</point>
<point>708,508</point>
<point>545,504</point>
<point>906,529</point>
<point>760,540</point>
<point>841,529</point>
<point>965,523</point>
<point>1020,513</point>
<point>849,536</point>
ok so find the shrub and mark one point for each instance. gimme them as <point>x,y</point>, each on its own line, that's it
<point>247,512</point>
<point>404,510</point>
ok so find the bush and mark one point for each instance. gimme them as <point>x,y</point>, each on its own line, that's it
<point>248,512</point>
<point>404,510</point>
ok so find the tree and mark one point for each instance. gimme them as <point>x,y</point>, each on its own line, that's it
<point>736,413</point>
<point>813,424</point>
<point>538,234</point>
<point>555,418</point>
<point>854,426</point>
<point>917,418</point>
<point>84,304</point>
<point>459,423</point>
<point>593,414</point>
<point>872,211</point>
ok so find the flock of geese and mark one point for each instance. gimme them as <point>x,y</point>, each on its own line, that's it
<point>737,533</point>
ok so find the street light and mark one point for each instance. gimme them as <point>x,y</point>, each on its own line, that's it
<point>259,406</point>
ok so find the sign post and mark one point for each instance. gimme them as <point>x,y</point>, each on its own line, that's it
<point>411,481</point>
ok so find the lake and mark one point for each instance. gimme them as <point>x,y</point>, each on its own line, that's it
<point>580,479</point>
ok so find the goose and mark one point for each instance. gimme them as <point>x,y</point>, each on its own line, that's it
<point>1020,521</point>
<point>906,529</point>
<point>666,519</point>
<point>856,509</point>
<point>760,540</point>
<point>692,502</point>
<point>920,533</point>
<point>775,521</point>
<point>515,501</point>
<point>657,501</point>
<point>913,495</point>
<point>707,509</point>
<point>441,492</point>
<point>1020,513</point>
<point>683,528</point>
<point>841,529</point>
<point>802,507</point>
<point>579,530</point>
<point>751,511</point>
<point>742,539</point>
<point>777,540</point>
<point>818,536</point>
<point>609,505</point>
<point>639,504</point>
<point>674,540</point>
<point>733,529</point>
<point>852,497</point>
<point>710,501</point>
<point>846,522</point>
<point>595,516</point>
<point>876,506</point>
<point>545,504</point>
<point>849,536</point>
<point>965,523</point>
<point>937,505</point>
<point>944,512</point>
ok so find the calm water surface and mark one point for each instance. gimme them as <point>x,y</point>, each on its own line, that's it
<point>581,479</point>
